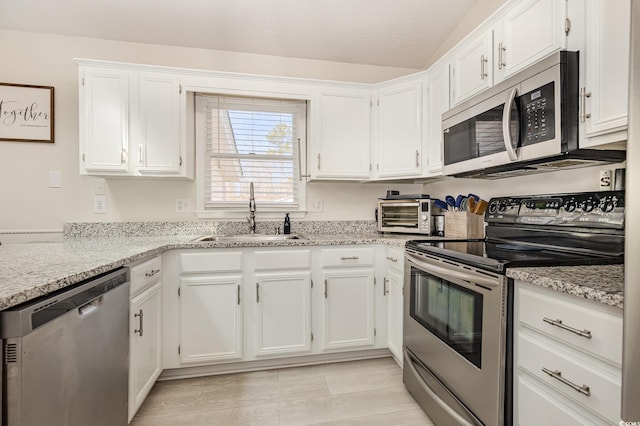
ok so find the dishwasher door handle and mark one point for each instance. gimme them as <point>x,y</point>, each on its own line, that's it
<point>90,307</point>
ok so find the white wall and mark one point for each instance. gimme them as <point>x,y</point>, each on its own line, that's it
<point>578,180</point>
<point>26,202</point>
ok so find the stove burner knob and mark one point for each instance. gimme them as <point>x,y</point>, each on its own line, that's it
<point>569,205</point>
<point>502,207</point>
<point>607,206</point>
<point>493,208</point>
<point>588,206</point>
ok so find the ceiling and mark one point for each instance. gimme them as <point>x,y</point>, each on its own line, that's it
<point>397,33</point>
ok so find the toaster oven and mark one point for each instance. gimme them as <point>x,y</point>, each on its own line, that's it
<point>405,215</point>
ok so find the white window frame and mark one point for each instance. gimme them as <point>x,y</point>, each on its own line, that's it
<point>232,211</point>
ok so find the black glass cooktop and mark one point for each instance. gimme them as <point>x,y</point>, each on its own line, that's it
<point>497,256</point>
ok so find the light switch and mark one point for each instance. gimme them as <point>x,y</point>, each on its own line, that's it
<point>55,179</point>
<point>99,187</point>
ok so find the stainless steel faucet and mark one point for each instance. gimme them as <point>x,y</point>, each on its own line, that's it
<point>252,210</point>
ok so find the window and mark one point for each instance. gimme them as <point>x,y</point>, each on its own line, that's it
<point>244,140</point>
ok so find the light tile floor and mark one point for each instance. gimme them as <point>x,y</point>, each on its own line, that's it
<point>368,392</point>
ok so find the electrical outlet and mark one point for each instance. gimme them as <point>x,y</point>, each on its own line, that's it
<point>183,205</point>
<point>316,206</point>
<point>100,204</point>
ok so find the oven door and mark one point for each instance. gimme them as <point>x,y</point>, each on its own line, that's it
<point>455,326</point>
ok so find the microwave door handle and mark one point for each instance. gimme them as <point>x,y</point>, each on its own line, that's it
<point>509,144</point>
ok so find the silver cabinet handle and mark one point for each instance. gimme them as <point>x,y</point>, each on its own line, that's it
<point>558,323</point>
<point>140,316</point>
<point>151,273</point>
<point>257,293</point>
<point>385,290</point>
<point>392,259</point>
<point>584,389</point>
<point>583,104</point>
<point>506,127</point>
<point>349,258</point>
<point>483,71</point>
<point>300,160</point>
<point>417,158</point>
<point>123,156</point>
<point>325,289</point>
<point>318,161</point>
<point>238,294</point>
<point>501,62</point>
<point>140,154</point>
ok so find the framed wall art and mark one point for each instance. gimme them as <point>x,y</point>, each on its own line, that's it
<point>26,113</point>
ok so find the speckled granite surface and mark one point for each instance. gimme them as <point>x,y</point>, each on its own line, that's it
<point>30,270</point>
<point>600,283</point>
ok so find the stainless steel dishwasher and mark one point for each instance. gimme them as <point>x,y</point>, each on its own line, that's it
<point>66,356</point>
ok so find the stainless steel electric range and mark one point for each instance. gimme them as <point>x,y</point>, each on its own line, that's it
<point>458,301</point>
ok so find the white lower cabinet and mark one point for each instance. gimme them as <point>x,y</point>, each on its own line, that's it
<point>567,356</point>
<point>394,292</point>
<point>283,313</point>
<point>145,331</point>
<point>347,308</point>
<point>210,318</point>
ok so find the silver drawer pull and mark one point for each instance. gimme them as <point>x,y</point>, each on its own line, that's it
<point>558,323</point>
<point>584,389</point>
<point>393,259</point>
<point>349,258</point>
<point>152,273</point>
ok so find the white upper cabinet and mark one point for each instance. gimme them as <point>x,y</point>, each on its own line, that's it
<point>528,32</point>
<point>132,123</point>
<point>471,68</point>
<point>104,120</point>
<point>436,101</point>
<point>399,130</point>
<point>340,148</point>
<point>606,72</point>
<point>158,148</point>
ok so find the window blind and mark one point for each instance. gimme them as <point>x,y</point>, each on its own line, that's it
<point>252,140</point>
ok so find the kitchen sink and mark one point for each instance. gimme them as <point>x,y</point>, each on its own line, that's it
<point>250,237</point>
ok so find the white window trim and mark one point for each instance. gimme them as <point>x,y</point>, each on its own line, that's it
<point>238,213</point>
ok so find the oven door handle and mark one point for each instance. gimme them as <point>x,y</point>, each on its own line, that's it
<point>454,274</point>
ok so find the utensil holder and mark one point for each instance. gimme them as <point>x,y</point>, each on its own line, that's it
<point>463,225</point>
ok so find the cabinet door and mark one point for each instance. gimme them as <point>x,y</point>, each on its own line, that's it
<point>157,148</point>
<point>394,284</point>
<point>471,70</point>
<point>606,71</point>
<point>348,309</point>
<point>104,120</point>
<point>527,33</point>
<point>399,130</point>
<point>145,345</point>
<point>210,318</point>
<point>341,145</point>
<point>283,323</point>
<point>436,102</point>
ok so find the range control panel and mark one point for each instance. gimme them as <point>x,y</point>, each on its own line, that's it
<point>592,209</point>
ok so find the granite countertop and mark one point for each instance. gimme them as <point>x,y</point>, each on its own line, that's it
<point>31,270</point>
<point>600,283</point>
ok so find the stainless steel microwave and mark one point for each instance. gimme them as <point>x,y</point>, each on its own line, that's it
<point>405,215</point>
<point>527,124</point>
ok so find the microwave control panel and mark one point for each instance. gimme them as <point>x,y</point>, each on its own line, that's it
<point>538,118</point>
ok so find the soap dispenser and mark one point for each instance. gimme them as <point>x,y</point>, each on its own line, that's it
<point>287,224</point>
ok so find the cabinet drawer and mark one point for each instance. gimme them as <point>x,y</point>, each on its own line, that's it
<point>282,259</point>
<point>394,258</point>
<point>536,353</point>
<point>348,256</point>
<point>604,326</point>
<point>145,274</point>
<point>202,262</point>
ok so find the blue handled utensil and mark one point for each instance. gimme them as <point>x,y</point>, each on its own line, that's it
<point>474,196</point>
<point>451,202</point>
<point>458,201</point>
<point>440,204</point>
